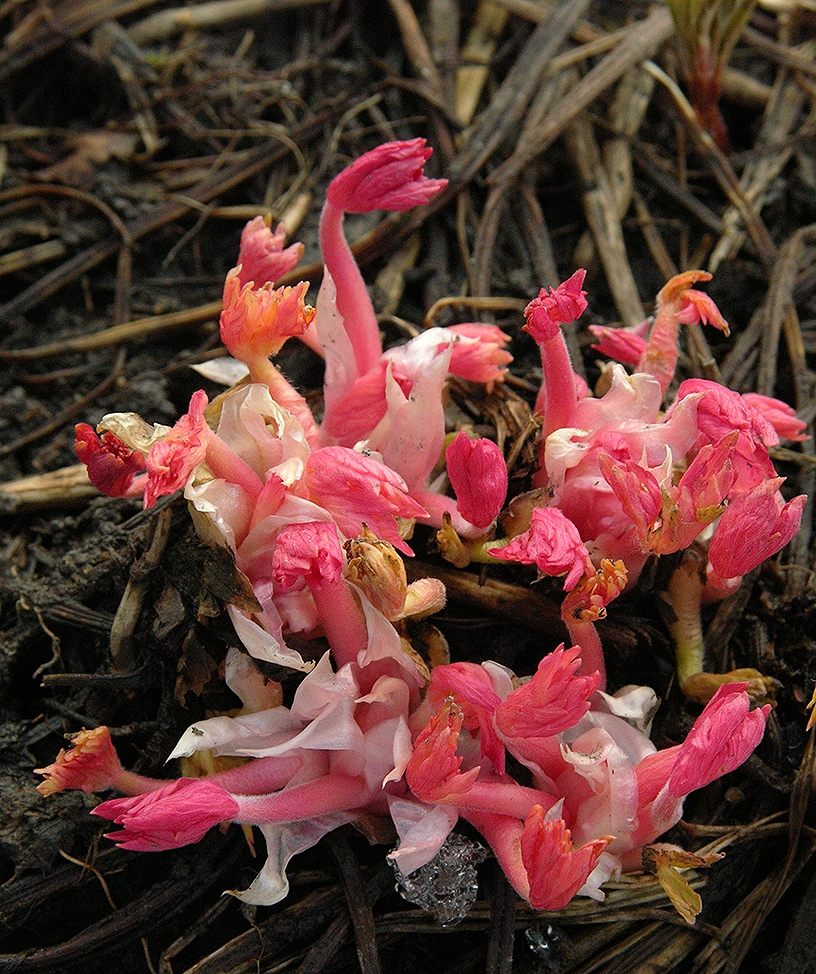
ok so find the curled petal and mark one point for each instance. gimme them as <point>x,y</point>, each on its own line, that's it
<point>111,465</point>
<point>779,414</point>
<point>356,490</point>
<point>478,475</point>
<point>479,354</point>
<point>171,461</point>
<point>755,526</point>
<point>552,544</point>
<point>558,306</point>
<point>389,177</point>
<point>622,344</point>
<point>309,550</point>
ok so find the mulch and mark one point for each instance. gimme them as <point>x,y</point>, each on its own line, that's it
<point>136,140</point>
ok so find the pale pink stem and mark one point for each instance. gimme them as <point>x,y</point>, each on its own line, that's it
<point>503,834</point>
<point>258,776</point>
<point>556,399</point>
<point>500,797</point>
<point>585,635</point>
<point>342,620</point>
<point>353,301</point>
<point>227,465</point>
<point>284,393</point>
<point>331,793</point>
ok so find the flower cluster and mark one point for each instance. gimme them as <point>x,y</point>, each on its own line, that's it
<point>317,514</point>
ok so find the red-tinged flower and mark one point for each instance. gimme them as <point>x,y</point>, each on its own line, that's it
<point>622,344</point>
<point>310,551</point>
<point>263,258</point>
<point>558,306</point>
<point>779,414</point>
<point>479,354</point>
<point>111,465</point>
<point>472,689</point>
<point>555,869</point>
<point>178,815</point>
<point>91,764</point>
<point>171,461</point>
<point>389,177</point>
<point>722,738</point>
<point>357,489</point>
<point>256,322</point>
<point>755,525</point>
<point>636,489</point>
<point>552,544</point>
<point>553,699</point>
<point>478,475</point>
<point>433,773</point>
<point>724,735</point>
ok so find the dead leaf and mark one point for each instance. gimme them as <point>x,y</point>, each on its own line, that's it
<point>91,150</point>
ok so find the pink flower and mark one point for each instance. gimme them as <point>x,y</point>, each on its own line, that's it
<point>755,525</point>
<point>386,178</point>
<point>478,353</point>
<point>263,259</point>
<point>356,490</point>
<point>309,551</point>
<point>256,321</point>
<point>722,738</point>
<point>545,314</point>
<point>171,461</point>
<point>560,306</point>
<point>478,475</point>
<point>472,689</point>
<point>552,544</point>
<point>111,465</point>
<point>433,773</point>
<point>779,414</point>
<point>554,699</point>
<point>555,869</point>
<point>168,818</point>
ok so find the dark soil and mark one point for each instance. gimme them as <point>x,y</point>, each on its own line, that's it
<point>132,152</point>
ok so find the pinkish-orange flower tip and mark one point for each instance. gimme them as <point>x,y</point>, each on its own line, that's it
<point>554,699</point>
<point>389,177</point>
<point>433,772</point>
<point>255,322</point>
<point>90,764</point>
